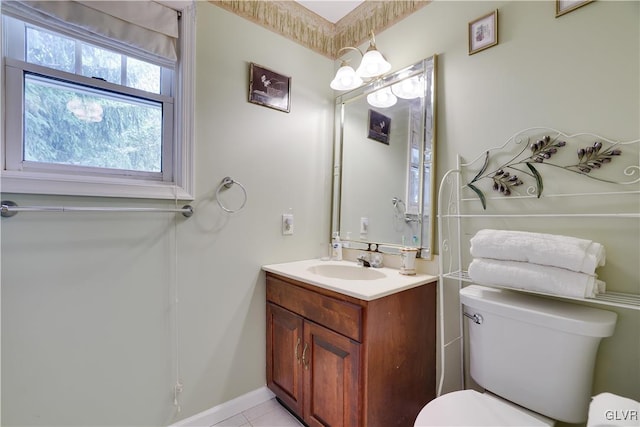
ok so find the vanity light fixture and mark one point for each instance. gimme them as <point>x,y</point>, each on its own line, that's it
<point>409,88</point>
<point>88,111</point>
<point>382,98</point>
<point>372,65</point>
<point>346,77</point>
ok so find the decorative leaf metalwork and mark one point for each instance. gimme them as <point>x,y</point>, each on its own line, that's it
<point>536,174</point>
<point>589,158</point>
<point>480,195</point>
<point>504,182</point>
<point>544,148</point>
<point>483,168</point>
<point>592,157</point>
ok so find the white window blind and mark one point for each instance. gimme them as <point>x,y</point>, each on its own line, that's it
<point>145,25</point>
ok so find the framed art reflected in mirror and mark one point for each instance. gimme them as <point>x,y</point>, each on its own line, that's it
<point>379,127</point>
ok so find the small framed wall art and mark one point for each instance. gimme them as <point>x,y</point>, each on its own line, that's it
<point>268,88</point>
<point>566,6</point>
<point>483,32</point>
<point>379,126</point>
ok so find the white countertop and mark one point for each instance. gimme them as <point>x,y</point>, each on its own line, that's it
<point>370,289</point>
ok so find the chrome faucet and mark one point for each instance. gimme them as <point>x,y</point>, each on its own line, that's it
<point>375,260</point>
<point>363,259</point>
<point>370,259</point>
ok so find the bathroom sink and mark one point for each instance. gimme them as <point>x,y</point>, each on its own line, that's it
<point>346,272</point>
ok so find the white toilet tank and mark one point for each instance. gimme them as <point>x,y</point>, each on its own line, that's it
<point>536,352</point>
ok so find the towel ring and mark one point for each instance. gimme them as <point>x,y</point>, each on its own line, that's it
<point>227,182</point>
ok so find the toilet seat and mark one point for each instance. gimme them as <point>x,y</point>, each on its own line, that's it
<point>470,408</point>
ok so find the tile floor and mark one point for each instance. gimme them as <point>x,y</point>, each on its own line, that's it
<point>267,414</point>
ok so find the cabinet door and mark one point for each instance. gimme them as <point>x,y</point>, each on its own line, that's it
<point>331,375</point>
<point>284,356</point>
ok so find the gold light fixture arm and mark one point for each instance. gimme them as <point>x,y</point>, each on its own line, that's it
<point>372,42</point>
<point>339,54</point>
<point>372,46</point>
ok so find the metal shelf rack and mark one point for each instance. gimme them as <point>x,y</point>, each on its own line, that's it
<point>544,192</point>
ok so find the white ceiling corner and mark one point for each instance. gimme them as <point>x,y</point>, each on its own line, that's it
<point>331,10</point>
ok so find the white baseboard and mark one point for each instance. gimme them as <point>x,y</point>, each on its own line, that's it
<point>227,409</point>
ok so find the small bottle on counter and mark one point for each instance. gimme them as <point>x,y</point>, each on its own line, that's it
<point>336,247</point>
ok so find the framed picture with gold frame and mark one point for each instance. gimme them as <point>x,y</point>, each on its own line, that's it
<point>483,32</point>
<point>268,88</point>
<point>566,6</point>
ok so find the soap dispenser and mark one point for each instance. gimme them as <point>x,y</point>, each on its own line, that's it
<point>336,247</point>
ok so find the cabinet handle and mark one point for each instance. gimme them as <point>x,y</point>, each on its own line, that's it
<point>305,362</point>
<point>296,351</point>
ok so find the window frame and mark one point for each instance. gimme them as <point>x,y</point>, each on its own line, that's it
<point>16,74</point>
<point>36,179</point>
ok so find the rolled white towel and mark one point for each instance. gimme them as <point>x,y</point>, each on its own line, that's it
<point>534,277</point>
<point>572,253</point>
<point>607,409</point>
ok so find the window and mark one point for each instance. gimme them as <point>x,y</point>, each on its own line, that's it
<point>413,161</point>
<point>87,116</point>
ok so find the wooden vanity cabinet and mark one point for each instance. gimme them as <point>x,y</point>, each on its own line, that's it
<point>335,360</point>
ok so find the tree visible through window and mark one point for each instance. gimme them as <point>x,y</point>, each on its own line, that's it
<point>65,123</point>
<point>68,125</point>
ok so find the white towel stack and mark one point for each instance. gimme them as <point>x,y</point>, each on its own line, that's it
<point>559,265</point>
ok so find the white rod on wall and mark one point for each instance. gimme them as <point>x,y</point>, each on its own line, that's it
<point>9,209</point>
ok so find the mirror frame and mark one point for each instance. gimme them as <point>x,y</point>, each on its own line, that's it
<point>427,65</point>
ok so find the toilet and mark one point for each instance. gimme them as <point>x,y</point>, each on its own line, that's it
<point>533,356</point>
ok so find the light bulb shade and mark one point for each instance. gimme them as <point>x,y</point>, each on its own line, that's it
<point>373,64</point>
<point>382,98</point>
<point>409,88</point>
<point>88,111</point>
<point>345,79</point>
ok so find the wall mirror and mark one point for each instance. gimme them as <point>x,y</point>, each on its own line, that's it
<point>384,159</point>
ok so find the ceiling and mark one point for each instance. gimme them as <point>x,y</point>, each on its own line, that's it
<point>331,10</point>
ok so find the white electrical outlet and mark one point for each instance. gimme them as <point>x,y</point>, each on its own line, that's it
<point>287,224</point>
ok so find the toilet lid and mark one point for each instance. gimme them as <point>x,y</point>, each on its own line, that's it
<point>470,408</point>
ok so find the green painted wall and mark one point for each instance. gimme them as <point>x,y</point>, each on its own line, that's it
<point>88,332</point>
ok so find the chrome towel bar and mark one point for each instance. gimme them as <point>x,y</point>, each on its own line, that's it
<point>9,209</point>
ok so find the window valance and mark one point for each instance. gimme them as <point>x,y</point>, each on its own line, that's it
<point>146,25</point>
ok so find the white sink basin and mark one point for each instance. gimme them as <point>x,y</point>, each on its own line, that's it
<point>346,272</point>
<point>348,278</point>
